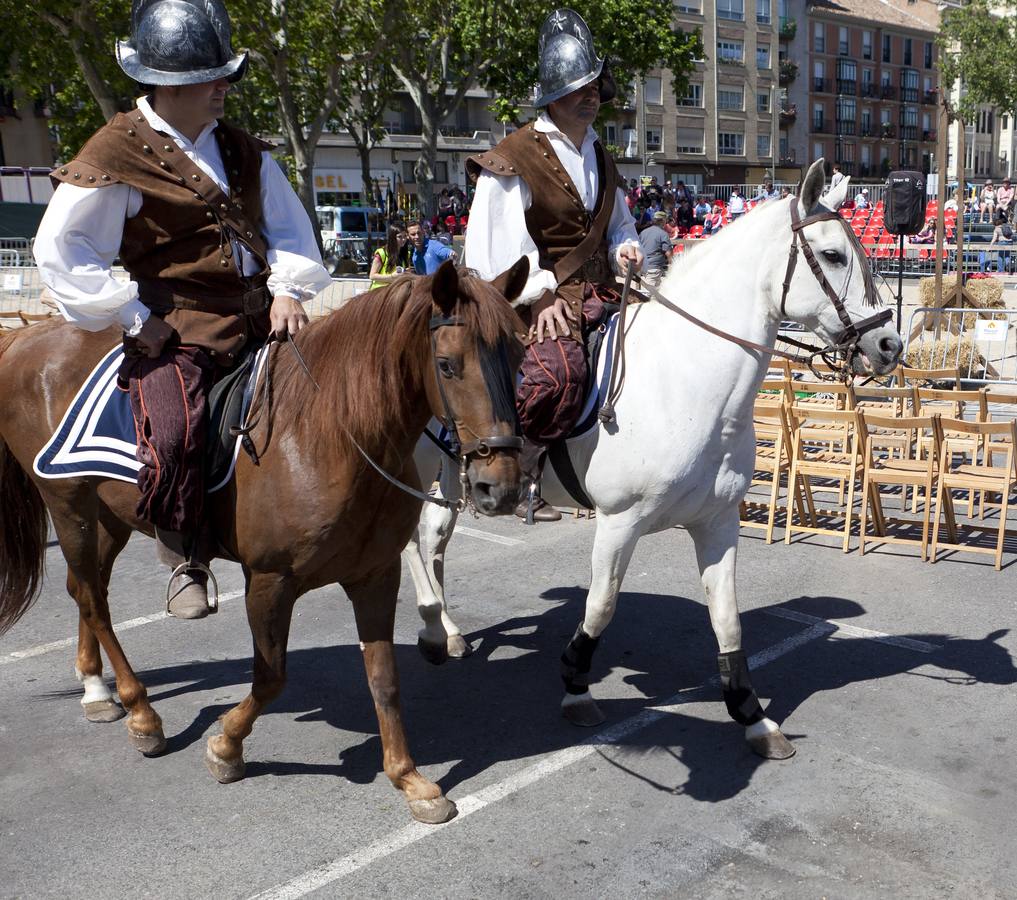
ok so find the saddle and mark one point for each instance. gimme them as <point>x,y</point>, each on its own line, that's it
<point>229,398</point>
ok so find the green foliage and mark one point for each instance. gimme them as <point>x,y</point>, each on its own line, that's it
<point>976,40</point>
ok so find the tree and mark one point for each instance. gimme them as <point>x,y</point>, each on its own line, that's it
<point>370,87</point>
<point>446,48</point>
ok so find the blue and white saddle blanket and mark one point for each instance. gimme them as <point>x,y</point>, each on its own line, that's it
<point>98,436</point>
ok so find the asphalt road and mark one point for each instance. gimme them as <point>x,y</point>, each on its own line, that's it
<point>902,712</point>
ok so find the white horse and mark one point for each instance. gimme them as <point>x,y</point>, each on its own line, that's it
<point>681,449</point>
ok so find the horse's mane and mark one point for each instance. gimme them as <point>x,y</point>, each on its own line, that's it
<point>369,358</point>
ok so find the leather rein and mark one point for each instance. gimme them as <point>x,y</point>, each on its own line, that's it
<point>455,448</point>
<point>845,344</point>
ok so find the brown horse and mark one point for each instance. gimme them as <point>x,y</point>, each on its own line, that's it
<point>312,513</point>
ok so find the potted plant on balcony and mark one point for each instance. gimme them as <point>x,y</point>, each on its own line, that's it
<point>886,129</point>
<point>788,71</point>
<point>788,28</point>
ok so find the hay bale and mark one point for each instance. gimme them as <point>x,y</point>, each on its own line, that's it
<point>986,291</point>
<point>946,352</point>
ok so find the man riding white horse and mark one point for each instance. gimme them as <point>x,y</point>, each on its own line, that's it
<point>549,192</point>
<point>218,248</point>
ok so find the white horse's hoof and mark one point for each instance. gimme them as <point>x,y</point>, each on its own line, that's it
<point>582,710</point>
<point>103,711</point>
<point>224,771</point>
<point>433,812</point>
<point>459,647</point>
<point>772,745</point>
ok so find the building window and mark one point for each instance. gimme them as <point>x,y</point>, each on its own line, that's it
<point>408,175</point>
<point>818,75</point>
<point>730,143</point>
<point>928,54</point>
<point>818,115</point>
<point>763,101</point>
<point>866,122</point>
<point>731,51</point>
<point>653,91</point>
<point>730,98</point>
<point>763,12</point>
<point>653,139</point>
<point>693,96</point>
<point>907,51</point>
<point>762,145</point>
<point>817,150</point>
<point>909,85</point>
<point>887,45</point>
<point>762,56</point>
<point>610,133</point>
<point>819,37</point>
<point>866,45</point>
<point>846,110</point>
<point>690,140</point>
<point>441,172</point>
<point>731,9</point>
<point>1004,121</point>
<point>842,41</point>
<point>690,6</point>
<point>884,116</point>
<point>847,153</point>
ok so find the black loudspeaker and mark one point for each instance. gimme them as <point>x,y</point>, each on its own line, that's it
<point>904,211</point>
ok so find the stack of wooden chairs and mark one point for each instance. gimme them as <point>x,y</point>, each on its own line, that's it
<point>836,451</point>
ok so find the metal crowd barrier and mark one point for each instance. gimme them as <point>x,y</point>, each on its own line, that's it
<point>982,347</point>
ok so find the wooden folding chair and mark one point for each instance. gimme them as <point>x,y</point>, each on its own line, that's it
<point>974,476</point>
<point>894,402</point>
<point>886,468</point>
<point>773,459</point>
<point>1001,403</point>
<point>950,405</point>
<point>928,377</point>
<point>812,458</point>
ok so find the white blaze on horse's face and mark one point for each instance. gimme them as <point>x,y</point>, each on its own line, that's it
<point>846,269</point>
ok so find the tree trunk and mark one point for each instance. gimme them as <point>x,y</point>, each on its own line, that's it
<point>303,166</point>
<point>364,152</point>
<point>424,168</point>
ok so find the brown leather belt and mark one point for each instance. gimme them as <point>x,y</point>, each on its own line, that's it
<point>253,302</point>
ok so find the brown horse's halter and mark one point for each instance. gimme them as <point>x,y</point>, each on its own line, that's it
<point>845,344</point>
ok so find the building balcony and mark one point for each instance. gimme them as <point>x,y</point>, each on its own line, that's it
<point>866,131</point>
<point>864,171</point>
<point>822,85</point>
<point>887,130</point>
<point>909,95</point>
<point>821,126</point>
<point>929,135</point>
<point>887,92</point>
<point>788,28</point>
<point>788,159</point>
<point>909,132</point>
<point>789,115</point>
<point>930,98</point>
<point>788,72</point>
<point>870,90</point>
<point>845,86</point>
<point>848,168</point>
<point>845,126</point>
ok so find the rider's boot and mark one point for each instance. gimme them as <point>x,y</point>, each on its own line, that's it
<point>188,590</point>
<point>532,507</point>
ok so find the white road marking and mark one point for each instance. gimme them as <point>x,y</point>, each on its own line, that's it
<point>855,631</point>
<point>487,536</point>
<point>330,872</point>
<point>127,625</point>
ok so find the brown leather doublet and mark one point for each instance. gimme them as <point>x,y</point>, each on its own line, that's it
<point>557,219</point>
<point>179,245</point>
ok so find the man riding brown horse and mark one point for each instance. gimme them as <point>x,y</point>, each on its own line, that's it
<point>549,192</point>
<point>218,248</point>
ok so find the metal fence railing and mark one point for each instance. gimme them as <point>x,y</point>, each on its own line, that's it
<point>982,345</point>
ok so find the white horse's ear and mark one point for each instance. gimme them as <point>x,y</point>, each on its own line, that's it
<point>835,197</point>
<point>812,188</point>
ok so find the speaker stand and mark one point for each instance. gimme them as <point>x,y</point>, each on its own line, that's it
<point>900,280</point>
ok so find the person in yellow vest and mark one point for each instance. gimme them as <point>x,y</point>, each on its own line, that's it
<point>389,261</point>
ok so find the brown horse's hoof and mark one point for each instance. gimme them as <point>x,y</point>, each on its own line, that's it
<point>459,647</point>
<point>224,771</point>
<point>103,711</point>
<point>435,654</point>
<point>433,812</point>
<point>772,746</point>
<point>147,744</point>
<point>582,711</point>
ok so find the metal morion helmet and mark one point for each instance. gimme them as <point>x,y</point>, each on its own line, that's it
<point>176,42</point>
<point>568,60</point>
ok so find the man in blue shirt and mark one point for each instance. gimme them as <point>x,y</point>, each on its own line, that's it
<point>426,253</point>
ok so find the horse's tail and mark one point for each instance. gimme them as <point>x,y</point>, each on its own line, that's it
<point>23,533</point>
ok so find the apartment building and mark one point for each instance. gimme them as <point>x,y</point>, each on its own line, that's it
<point>869,84</point>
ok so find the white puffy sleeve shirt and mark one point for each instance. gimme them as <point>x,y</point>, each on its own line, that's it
<point>81,231</point>
<point>497,235</point>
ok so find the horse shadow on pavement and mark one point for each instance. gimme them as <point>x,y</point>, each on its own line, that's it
<point>502,703</point>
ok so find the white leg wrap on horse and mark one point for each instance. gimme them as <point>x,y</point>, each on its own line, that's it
<point>763,726</point>
<point>95,688</point>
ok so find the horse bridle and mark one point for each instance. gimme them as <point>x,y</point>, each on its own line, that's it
<point>846,342</point>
